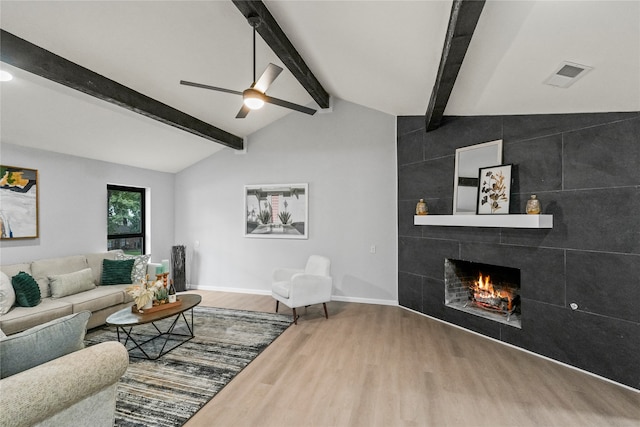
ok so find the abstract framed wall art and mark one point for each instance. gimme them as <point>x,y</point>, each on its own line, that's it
<point>18,202</point>
<point>276,211</point>
<point>494,191</point>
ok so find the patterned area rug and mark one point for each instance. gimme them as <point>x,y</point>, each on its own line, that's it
<point>168,391</point>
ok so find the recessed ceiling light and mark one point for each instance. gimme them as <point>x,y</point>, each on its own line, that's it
<point>567,74</point>
<point>5,76</point>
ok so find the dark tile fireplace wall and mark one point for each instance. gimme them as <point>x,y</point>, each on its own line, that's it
<point>585,169</point>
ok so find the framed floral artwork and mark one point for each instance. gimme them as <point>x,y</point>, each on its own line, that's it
<point>494,190</point>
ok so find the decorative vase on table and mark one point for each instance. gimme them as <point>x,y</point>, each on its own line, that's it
<point>178,259</point>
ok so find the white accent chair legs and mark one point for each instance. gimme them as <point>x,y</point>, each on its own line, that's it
<point>301,288</point>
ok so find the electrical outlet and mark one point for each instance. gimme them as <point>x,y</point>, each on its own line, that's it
<point>372,249</point>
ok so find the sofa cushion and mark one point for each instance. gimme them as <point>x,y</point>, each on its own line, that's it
<point>139,270</point>
<point>21,318</point>
<point>71,283</point>
<point>7,293</point>
<point>13,269</point>
<point>42,343</point>
<point>94,260</point>
<point>116,272</point>
<point>27,290</point>
<point>42,269</point>
<point>96,299</point>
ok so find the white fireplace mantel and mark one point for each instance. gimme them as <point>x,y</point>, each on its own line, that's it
<point>502,221</point>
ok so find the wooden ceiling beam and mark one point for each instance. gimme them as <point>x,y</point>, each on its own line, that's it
<point>462,23</point>
<point>277,40</point>
<point>34,59</point>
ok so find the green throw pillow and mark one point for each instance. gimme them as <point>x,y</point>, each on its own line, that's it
<point>116,272</point>
<point>27,290</point>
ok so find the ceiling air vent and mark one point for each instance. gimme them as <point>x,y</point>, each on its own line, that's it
<point>567,74</point>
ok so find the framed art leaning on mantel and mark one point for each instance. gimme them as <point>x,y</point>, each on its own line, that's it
<point>494,191</point>
<point>18,202</point>
<point>276,211</point>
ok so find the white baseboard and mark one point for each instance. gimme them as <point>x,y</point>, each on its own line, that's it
<point>268,292</point>
<point>526,351</point>
<point>233,290</point>
<point>364,300</point>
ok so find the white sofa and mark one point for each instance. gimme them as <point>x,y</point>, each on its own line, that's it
<point>101,301</point>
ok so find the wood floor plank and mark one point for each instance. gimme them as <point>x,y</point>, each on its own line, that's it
<point>371,365</point>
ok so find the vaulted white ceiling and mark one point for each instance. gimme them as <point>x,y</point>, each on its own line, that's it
<point>380,54</point>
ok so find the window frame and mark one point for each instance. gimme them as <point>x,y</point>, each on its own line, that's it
<point>143,215</point>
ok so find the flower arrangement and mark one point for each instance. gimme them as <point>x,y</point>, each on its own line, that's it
<point>145,292</point>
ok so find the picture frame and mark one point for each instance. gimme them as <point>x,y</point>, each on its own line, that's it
<point>18,203</point>
<point>494,190</point>
<point>276,211</point>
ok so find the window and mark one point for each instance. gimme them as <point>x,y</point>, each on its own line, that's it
<point>126,219</point>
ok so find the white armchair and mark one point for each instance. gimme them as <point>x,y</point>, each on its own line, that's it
<point>300,288</point>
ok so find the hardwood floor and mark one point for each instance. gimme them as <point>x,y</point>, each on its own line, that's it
<point>372,365</point>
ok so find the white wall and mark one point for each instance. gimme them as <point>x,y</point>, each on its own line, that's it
<point>73,204</point>
<point>348,158</point>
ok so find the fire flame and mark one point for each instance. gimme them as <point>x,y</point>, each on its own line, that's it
<point>484,290</point>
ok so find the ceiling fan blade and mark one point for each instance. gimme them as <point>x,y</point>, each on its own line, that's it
<point>243,112</point>
<point>200,85</point>
<point>290,105</point>
<point>268,76</point>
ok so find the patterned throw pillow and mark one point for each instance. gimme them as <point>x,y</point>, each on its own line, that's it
<point>139,270</point>
<point>116,272</point>
<point>27,290</point>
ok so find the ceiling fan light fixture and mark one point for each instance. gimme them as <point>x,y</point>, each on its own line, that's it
<point>253,99</point>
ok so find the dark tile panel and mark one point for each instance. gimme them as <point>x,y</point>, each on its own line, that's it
<point>602,345</point>
<point>407,124</point>
<point>539,163</point>
<point>471,322</point>
<point>603,156</point>
<point>456,132</point>
<point>410,147</point>
<point>433,297</point>
<point>410,291</point>
<point>442,205</point>
<point>542,274</point>
<point>406,212</point>
<point>517,128</point>
<point>433,178</point>
<point>606,284</point>
<point>425,257</point>
<point>605,220</point>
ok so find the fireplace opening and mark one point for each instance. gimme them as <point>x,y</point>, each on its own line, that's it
<point>485,290</point>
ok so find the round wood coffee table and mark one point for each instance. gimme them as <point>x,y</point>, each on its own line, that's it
<point>158,343</point>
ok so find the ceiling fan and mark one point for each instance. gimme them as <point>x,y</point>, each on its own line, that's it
<point>255,97</point>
